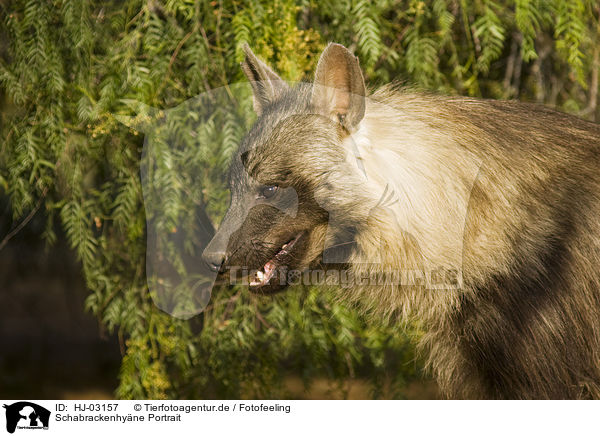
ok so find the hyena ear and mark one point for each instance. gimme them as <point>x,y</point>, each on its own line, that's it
<point>267,86</point>
<point>339,87</point>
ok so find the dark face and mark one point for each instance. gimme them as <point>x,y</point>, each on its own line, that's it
<point>274,227</point>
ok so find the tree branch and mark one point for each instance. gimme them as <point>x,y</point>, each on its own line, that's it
<point>23,223</point>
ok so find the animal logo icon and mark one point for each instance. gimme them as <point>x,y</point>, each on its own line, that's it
<point>26,415</point>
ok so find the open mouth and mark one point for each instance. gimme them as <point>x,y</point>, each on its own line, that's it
<point>264,275</point>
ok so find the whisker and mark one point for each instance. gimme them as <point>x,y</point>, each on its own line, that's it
<point>340,244</point>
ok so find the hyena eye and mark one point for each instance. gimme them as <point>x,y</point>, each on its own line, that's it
<point>268,191</point>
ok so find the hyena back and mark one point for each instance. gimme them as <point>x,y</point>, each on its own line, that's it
<point>506,193</point>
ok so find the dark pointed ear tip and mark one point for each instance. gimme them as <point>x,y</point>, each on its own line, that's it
<point>247,50</point>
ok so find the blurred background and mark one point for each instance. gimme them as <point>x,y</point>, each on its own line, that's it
<point>76,316</point>
<point>50,347</point>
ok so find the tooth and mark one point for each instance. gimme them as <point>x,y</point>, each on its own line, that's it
<point>269,267</point>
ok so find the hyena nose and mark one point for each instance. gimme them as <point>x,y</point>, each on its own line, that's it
<point>214,259</point>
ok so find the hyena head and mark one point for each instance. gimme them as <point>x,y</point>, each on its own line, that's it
<point>278,218</point>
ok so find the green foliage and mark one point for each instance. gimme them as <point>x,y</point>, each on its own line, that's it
<point>68,66</point>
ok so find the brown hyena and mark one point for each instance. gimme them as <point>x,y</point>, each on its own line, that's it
<point>505,194</point>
